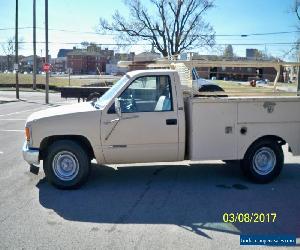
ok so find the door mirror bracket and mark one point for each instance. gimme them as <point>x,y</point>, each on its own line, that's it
<point>118,107</point>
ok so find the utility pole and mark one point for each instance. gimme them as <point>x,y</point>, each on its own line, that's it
<point>17,53</point>
<point>298,82</point>
<point>47,56</point>
<point>34,45</point>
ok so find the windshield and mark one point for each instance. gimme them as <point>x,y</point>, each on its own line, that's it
<point>108,95</point>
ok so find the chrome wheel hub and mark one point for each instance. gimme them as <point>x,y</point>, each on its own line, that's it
<point>264,161</point>
<point>65,166</point>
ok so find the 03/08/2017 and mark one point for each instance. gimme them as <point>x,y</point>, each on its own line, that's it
<point>249,217</point>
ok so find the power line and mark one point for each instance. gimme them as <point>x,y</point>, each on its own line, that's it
<point>113,34</point>
<point>263,34</point>
<point>141,44</point>
<point>224,35</point>
<point>20,28</point>
<point>76,43</point>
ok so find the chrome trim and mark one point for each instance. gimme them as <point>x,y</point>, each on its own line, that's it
<point>264,161</point>
<point>118,146</point>
<point>30,155</point>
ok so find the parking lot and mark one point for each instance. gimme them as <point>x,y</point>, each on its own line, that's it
<point>140,206</point>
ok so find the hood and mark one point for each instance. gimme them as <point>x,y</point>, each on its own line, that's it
<point>61,110</point>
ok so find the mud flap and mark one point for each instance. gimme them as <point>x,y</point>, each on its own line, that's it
<point>34,169</point>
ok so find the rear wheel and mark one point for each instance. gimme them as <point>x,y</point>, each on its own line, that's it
<point>66,165</point>
<point>263,161</point>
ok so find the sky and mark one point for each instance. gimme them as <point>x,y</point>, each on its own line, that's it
<point>78,18</point>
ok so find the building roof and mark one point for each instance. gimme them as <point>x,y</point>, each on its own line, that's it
<point>146,56</point>
<point>83,53</point>
<point>63,52</point>
<point>196,56</point>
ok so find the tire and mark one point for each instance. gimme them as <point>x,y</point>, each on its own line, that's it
<point>66,165</point>
<point>263,161</point>
<point>211,88</point>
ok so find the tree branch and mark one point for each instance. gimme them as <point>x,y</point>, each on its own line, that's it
<point>172,26</point>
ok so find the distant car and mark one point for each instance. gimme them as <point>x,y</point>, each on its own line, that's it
<point>204,85</point>
<point>262,81</point>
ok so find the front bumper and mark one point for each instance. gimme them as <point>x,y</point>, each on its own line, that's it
<point>31,155</point>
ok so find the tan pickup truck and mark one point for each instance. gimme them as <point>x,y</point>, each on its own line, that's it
<point>145,117</point>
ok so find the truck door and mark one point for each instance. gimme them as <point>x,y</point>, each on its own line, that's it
<point>148,129</point>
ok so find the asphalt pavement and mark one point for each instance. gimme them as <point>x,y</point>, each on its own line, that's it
<point>139,206</point>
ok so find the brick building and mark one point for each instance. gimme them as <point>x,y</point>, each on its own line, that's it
<point>59,64</point>
<point>83,62</point>
<point>26,63</point>
<point>92,60</point>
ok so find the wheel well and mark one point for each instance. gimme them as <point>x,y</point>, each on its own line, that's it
<point>275,138</point>
<point>81,140</point>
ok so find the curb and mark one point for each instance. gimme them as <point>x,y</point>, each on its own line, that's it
<point>8,100</point>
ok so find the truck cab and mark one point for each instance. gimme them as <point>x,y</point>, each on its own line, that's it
<point>150,125</point>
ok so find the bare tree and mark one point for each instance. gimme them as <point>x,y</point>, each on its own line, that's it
<point>297,8</point>
<point>84,44</point>
<point>228,51</point>
<point>294,51</point>
<point>171,26</point>
<point>9,50</point>
<point>297,12</point>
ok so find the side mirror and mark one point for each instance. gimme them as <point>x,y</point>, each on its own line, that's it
<point>118,107</point>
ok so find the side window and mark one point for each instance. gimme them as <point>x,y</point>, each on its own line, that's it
<point>147,94</point>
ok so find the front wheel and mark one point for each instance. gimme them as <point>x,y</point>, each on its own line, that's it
<point>66,165</point>
<point>263,161</point>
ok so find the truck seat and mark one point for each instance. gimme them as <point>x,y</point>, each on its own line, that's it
<point>163,104</point>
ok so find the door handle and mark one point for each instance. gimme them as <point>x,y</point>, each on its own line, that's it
<point>171,121</point>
